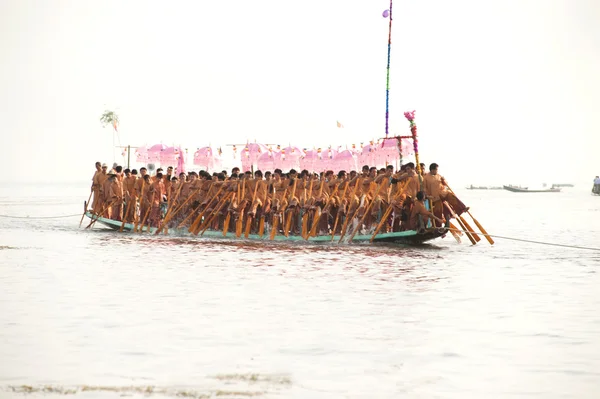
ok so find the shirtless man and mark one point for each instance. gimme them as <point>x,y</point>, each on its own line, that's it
<point>115,197</point>
<point>437,185</point>
<point>111,196</point>
<point>419,215</point>
<point>129,183</point>
<point>100,179</point>
<point>95,186</point>
<point>414,185</point>
<point>434,189</point>
<point>157,190</point>
<point>262,199</point>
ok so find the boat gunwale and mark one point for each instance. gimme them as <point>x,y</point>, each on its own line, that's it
<point>407,236</point>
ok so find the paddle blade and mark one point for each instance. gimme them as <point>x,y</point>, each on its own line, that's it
<point>274,228</point>
<point>226,224</point>
<point>485,233</point>
<point>455,229</point>
<point>288,225</point>
<point>456,234</point>
<point>462,226</point>
<point>470,229</point>
<point>238,227</point>
<point>469,236</point>
<point>248,226</point>
<point>305,226</point>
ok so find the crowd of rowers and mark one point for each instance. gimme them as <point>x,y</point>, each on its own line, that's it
<point>289,203</point>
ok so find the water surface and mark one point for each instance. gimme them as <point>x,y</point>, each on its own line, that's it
<point>98,314</point>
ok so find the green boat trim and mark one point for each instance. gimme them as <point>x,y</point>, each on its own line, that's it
<point>401,237</point>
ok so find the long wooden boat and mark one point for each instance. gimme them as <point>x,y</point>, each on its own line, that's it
<point>515,189</point>
<point>409,237</point>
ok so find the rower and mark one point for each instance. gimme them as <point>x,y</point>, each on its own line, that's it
<point>419,215</point>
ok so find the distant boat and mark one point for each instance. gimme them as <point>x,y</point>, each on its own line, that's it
<point>518,189</point>
<point>472,187</point>
<point>563,185</point>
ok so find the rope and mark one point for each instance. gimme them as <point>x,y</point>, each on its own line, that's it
<point>39,217</point>
<point>532,241</point>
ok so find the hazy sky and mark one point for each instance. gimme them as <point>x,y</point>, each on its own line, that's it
<point>505,91</point>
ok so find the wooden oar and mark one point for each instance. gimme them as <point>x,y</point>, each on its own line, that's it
<point>199,223</point>
<point>317,219</point>
<point>305,233</point>
<point>195,227</point>
<point>274,227</point>
<point>468,234</point>
<point>479,226</point>
<point>171,204</point>
<point>456,233</point>
<point>251,217</point>
<point>261,224</point>
<point>125,215</point>
<point>99,214</point>
<point>317,212</point>
<point>141,226</point>
<point>85,207</point>
<point>170,208</point>
<point>140,196</point>
<point>469,228</point>
<point>382,221</point>
<point>227,219</point>
<point>216,212</point>
<point>175,210</point>
<point>306,211</point>
<point>288,222</point>
<point>104,208</point>
<point>348,217</point>
<point>381,185</point>
<point>240,221</point>
<point>337,216</point>
<point>184,221</point>
<point>389,210</point>
<point>464,224</point>
<point>149,225</point>
<point>276,218</point>
<point>197,220</point>
<point>226,224</point>
<point>210,217</point>
<point>94,218</point>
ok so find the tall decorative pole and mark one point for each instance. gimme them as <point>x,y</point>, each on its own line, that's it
<point>388,14</point>
<point>413,129</point>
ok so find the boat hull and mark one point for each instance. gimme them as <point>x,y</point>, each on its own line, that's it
<point>409,237</point>
<point>526,190</point>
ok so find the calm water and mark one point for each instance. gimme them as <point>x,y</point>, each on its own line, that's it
<point>103,315</point>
